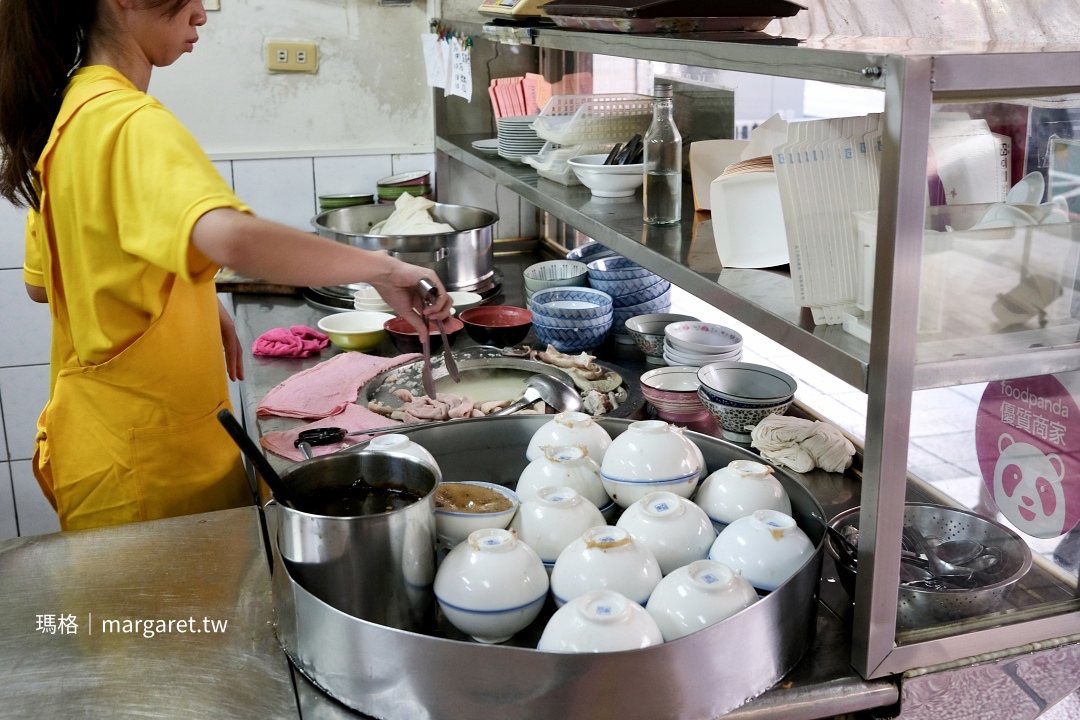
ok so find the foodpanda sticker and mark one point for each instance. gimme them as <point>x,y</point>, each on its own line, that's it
<point>1027,436</point>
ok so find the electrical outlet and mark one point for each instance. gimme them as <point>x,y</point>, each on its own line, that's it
<point>292,56</point>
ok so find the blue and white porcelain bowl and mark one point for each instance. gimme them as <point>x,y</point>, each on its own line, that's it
<point>558,322</point>
<point>605,557</point>
<point>491,586</point>
<point>571,339</point>
<point>657,304</point>
<point>676,530</point>
<point>589,252</point>
<point>616,268</point>
<point>644,295</point>
<point>650,456</point>
<point>454,526</point>
<point>737,419</point>
<point>766,547</point>
<point>600,621</point>
<point>571,303</point>
<point>623,287</point>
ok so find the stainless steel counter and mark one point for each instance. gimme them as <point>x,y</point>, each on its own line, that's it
<point>69,604</point>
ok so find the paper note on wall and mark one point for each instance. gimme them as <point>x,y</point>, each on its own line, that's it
<point>460,70</point>
<point>434,59</point>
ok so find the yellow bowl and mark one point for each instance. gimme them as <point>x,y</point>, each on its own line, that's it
<point>356,330</point>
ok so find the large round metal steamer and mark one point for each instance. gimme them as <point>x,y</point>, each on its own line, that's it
<point>401,675</point>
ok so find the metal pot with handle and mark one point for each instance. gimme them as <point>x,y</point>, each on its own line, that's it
<point>463,260</point>
<point>369,555</point>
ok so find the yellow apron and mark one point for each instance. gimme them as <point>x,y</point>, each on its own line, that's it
<point>137,437</point>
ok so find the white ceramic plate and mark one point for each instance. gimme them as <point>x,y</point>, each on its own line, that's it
<point>489,146</point>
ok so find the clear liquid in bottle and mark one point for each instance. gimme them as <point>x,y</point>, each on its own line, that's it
<point>663,162</point>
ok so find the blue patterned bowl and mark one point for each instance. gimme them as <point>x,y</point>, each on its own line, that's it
<point>648,294</point>
<point>616,268</point>
<point>570,340</point>
<point>734,418</point>
<point>557,322</point>
<point>624,287</point>
<point>570,303</point>
<point>589,252</point>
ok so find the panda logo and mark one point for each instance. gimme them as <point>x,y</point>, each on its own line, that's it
<point>1028,489</point>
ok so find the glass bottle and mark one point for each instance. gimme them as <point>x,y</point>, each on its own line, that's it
<point>663,162</point>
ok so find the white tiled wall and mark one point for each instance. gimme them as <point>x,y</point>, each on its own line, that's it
<point>285,190</point>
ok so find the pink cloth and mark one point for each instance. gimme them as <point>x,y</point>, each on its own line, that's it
<point>329,387</point>
<point>296,341</point>
<point>353,418</point>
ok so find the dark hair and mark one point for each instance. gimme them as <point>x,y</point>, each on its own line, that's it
<point>42,42</point>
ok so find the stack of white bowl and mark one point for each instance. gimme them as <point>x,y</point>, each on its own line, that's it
<point>517,138</point>
<point>697,343</point>
<point>634,290</point>
<point>368,298</point>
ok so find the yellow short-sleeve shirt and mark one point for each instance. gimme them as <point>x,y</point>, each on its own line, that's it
<point>125,183</point>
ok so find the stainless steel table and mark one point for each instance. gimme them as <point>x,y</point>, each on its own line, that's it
<point>164,619</point>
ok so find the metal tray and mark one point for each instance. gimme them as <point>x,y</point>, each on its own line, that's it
<point>672,8</point>
<point>483,359</point>
<point>668,25</point>
<point>399,675</point>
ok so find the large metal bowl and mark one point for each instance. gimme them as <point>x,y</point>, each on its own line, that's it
<point>921,607</point>
<point>463,260</point>
<point>400,675</point>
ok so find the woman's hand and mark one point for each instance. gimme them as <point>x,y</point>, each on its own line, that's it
<point>234,354</point>
<point>398,289</point>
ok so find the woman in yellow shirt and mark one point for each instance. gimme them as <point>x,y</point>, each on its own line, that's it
<point>128,223</point>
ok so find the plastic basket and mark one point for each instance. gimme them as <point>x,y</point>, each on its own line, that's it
<point>577,119</point>
<point>551,161</point>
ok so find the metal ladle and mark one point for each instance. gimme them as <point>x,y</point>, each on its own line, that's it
<point>938,567</point>
<point>554,392</point>
<point>959,552</point>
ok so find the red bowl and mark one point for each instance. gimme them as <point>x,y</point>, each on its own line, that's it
<point>498,325</point>
<point>407,340</point>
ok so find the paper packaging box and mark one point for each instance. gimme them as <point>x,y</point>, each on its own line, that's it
<point>708,158</point>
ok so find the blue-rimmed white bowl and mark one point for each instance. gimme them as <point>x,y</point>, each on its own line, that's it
<point>616,268</point>
<point>589,252</point>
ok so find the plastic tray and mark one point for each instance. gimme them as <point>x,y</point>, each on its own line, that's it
<point>580,119</point>
<point>551,161</point>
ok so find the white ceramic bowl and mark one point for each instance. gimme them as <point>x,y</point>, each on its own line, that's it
<point>570,428</point>
<point>567,466</point>
<point>554,518</point>
<point>402,444</point>
<point>355,330</point>
<point>747,383</point>
<point>649,456</point>
<point>491,586</point>
<point>766,548</point>
<point>555,273</point>
<point>703,338</point>
<point>696,596</point>
<point>454,526</point>
<point>607,180</point>
<point>738,490</point>
<point>700,359</point>
<point>463,301</point>
<point>676,530</point>
<point>605,557</point>
<point>599,621</point>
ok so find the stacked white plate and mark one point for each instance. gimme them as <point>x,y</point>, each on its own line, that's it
<point>696,343</point>
<point>517,138</point>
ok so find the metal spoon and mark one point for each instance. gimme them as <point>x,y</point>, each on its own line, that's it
<point>428,293</point>
<point>938,567</point>
<point>554,392</point>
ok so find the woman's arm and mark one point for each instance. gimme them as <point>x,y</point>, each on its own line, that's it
<point>281,254</point>
<point>37,294</point>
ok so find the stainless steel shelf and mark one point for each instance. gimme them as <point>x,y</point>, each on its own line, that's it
<point>686,255</point>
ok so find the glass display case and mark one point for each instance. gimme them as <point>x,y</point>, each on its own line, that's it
<point>955,265</point>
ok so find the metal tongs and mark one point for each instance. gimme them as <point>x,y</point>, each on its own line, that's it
<point>428,293</point>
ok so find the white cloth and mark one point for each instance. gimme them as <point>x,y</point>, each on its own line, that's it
<point>411,217</point>
<point>802,444</point>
